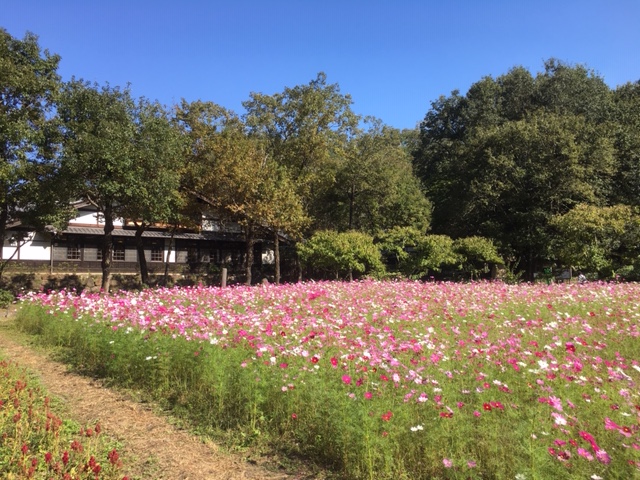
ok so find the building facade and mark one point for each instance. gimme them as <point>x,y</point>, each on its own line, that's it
<point>78,248</point>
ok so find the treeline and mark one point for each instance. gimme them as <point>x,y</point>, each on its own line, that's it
<point>548,166</point>
<point>523,171</point>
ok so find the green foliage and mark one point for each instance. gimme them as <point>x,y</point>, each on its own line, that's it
<point>475,254</point>
<point>306,130</point>
<point>627,144</point>
<point>513,152</point>
<point>341,253</point>
<point>29,140</point>
<point>598,239</point>
<point>6,298</point>
<point>416,255</point>
<point>231,174</point>
<point>374,187</point>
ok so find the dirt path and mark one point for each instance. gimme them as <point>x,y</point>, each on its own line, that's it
<point>154,449</point>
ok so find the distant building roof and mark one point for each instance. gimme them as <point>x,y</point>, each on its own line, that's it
<point>118,232</point>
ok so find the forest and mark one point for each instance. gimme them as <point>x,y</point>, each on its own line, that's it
<point>524,173</point>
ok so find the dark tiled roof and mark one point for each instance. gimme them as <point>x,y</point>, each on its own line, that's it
<point>156,234</point>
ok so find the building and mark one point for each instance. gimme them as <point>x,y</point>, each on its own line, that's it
<point>78,248</point>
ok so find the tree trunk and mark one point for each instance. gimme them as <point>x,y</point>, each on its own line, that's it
<point>4,218</point>
<point>249,256</point>
<point>142,259</point>
<point>166,263</point>
<point>351,201</point>
<point>299,268</point>
<point>276,257</point>
<point>4,263</point>
<point>107,249</point>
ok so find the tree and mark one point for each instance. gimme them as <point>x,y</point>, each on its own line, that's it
<point>502,160</point>
<point>29,84</point>
<point>598,239</point>
<point>306,129</point>
<point>375,188</point>
<point>341,253</point>
<point>627,144</point>
<point>475,254</point>
<point>415,254</point>
<point>154,195</point>
<point>233,175</point>
<point>99,160</point>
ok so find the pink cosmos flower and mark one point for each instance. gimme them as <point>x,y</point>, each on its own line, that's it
<point>346,379</point>
<point>610,424</point>
<point>589,438</point>
<point>447,463</point>
<point>556,403</point>
<point>585,453</point>
<point>603,457</point>
<point>558,419</point>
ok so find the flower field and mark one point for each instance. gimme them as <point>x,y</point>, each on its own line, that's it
<point>381,379</point>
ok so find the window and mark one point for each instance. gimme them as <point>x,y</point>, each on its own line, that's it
<point>156,255</point>
<point>73,252</point>
<point>118,254</point>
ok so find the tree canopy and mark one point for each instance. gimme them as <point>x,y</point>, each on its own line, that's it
<point>514,152</point>
<point>29,141</point>
<point>530,169</point>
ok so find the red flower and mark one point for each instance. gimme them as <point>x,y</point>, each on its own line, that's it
<point>387,416</point>
<point>314,359</point>
<point>486,406</point>
<point>113,457</point>
<point>446,414</point>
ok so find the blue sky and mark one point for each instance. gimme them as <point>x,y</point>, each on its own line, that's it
<point>393,57</point>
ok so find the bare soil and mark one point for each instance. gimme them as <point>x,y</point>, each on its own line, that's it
<point>153,447</point>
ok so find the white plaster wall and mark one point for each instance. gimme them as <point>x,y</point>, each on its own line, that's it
<point>7,251</point>
<point>30,252</point>
<point>37,247</point>
<point>87,217</point>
